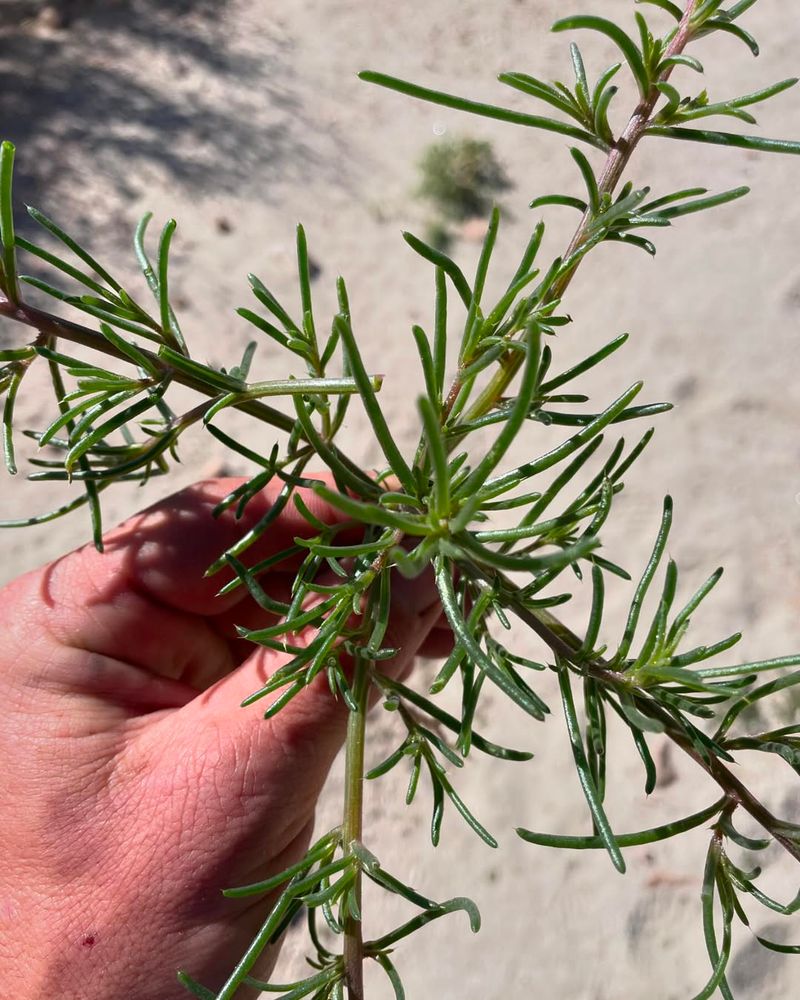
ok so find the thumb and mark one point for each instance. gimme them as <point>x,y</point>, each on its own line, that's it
<point>298,744</point>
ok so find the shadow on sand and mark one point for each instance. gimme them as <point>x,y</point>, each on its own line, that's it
<point>109,98</point>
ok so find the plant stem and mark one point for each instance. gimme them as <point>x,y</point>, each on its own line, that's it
<point>352,824</point>
<point>614,167</point>
<point>74,333</point>
<point>54,327</point>
<point>565,644</point>
<point>558,637</point>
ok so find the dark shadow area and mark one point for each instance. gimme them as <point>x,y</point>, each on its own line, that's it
<point>108,99</point>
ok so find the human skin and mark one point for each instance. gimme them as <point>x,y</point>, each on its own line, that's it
<point>134,787</point>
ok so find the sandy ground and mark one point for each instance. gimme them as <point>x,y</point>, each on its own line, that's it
<point>242,118</point>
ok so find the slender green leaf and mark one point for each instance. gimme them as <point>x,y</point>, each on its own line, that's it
<point>8,420</point>
<point>373,513</point>
<point>482,270</point>
<point>516,417</point>
<point>596,613</point>
<point>463,634</point>
<point>141,254</point>
<point>67,508</point>
<point>444,263</point>
<point>581,83</point>
<point>724,25</point>
<point>70,413</point>
<point>682,59</point>
<point>267,299</point>
<point>7,238</point>
<point>782,949</point>
<point>466,813</point>
<point>110,317</point>
<point>494,487</point>
<point>304,271</point>
<point>584,366</point>
<point>736,10</point>
<point>477,108</point>
<point>701,204</point>
<point>440,332</point>
<point>753,142</point>
<point>195,988</point>
<point>70,243</point>
<point>394,457</point>
<point>584,774</point>
<point>392,975</point>
<point>543,91</point>
<point>601,122</point>
<point>296,991</point>
<point>113,423</point>
<point>629,49</point>
<point>765,94</point>
<point>747,843</point>
<point>92,488</point>
<point>756,667</point>
<point>667,5</point>
<point>169,324</point>
<point>589,179</point>
<point>453,724</point>
<point>651,836</point>
<point>559,199</point>
<point>433,913</point>
<point>321,851</point>
<point>131,351</point>
<point>719,958</point>
<point>646,580</point>
<point>428,367</point>
<point>438,453</point>
<point>264,325</point>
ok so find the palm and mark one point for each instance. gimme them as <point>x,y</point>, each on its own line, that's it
<point>136,781</point>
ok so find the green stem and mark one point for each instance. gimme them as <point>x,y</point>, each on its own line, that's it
<point>352,824</point>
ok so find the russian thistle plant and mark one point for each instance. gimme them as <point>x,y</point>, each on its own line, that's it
<point>501,541</point>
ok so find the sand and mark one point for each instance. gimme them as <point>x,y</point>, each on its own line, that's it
<point>242,118</point>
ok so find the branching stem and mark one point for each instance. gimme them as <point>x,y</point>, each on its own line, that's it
<point>615,166</point>
<point>64,329</point>
<point>565,644</point>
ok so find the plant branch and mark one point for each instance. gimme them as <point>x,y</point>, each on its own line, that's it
<point>64,329</point>
<point>566,645</point>
<point>614,167</point>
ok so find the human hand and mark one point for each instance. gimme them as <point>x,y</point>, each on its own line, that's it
<point>134,787</point>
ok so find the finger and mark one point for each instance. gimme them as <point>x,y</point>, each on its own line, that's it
<point>298,745</point>
<point>145,599</point>
<point>166,550</point>
<point>439,643</point>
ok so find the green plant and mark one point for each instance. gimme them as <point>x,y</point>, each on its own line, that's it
<point>441,508</point>
<point>461,177</point>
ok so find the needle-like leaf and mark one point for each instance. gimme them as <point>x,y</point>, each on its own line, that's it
<point>8,257</point>
<point>477,108</point>
<point>627,46</point>
<point>584,774</point>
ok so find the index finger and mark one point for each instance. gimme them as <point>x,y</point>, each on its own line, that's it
<point>165,550</point>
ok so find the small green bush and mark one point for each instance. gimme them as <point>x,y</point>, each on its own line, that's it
<point>462,177</point>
